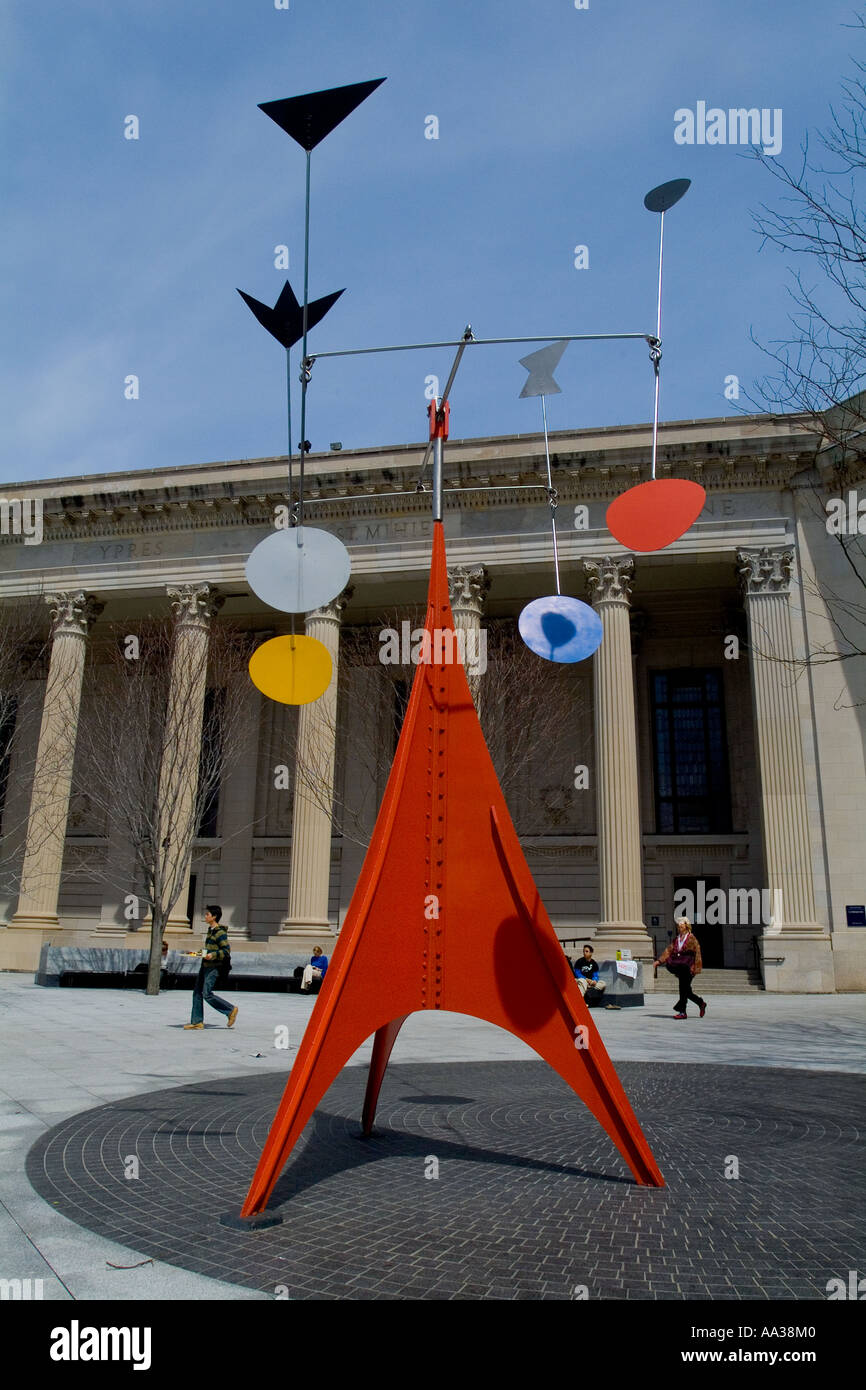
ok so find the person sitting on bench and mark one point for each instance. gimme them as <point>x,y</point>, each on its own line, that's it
<point>586,972</point>
<point>316,969</point>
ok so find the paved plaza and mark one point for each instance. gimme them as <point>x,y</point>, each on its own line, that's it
<point>531,1199</point>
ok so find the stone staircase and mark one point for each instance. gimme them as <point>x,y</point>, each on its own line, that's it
<point>710,982</point>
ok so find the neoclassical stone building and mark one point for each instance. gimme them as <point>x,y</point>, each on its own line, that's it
<point>700,751</point>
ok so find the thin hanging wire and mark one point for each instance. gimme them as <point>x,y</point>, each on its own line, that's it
<point>552,495</point>
<point>656,348</point>
<point>289,428</point>
<point>291,480</point>
<point>305,370</point>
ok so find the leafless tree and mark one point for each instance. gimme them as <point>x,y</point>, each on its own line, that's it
<point>819,368</point>
<point>526,706</point>
<point>138,750</point>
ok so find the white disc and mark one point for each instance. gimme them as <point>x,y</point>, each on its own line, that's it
<point>298,569</point>
<point>560,628</point>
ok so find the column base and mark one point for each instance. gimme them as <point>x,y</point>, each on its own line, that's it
<point>611,937</point>
<point>630,935</point>
<point>307,931</point>
<point>109,929</point>
<point>20,950</point>
<point>799,929</point>
<point>176,924</point>
<point>35,921</point>
<point>797,960</point>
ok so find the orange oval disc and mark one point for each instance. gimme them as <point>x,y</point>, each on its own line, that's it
<point>291,670</point>
<point>655,514</point>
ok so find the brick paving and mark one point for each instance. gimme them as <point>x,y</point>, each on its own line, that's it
<point>531,1199</point>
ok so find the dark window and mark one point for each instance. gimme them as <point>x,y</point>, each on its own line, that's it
<point>8,715</point>
<point>210,760</point>
<point>690,753</point>
<point>710,935</point>
<point>190,898</point>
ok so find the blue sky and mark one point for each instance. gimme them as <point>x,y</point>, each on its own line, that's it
<point>121,257</point>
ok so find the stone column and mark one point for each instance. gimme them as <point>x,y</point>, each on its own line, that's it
<point>616,776</point>
<point>312,812</point>
<point>239,814</point>
<point>194,606</point>
<point>795,932</point>
<point>72,617</point>
<point>468,586</point>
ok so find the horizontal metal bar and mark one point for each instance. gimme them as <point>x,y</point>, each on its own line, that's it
<point>486,342</point>
<point>423,492</point>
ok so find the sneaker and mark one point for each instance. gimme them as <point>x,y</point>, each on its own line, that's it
<point>232,1016</point>
<point>703,1008</point>
<point>613,1006</point>
<point>680,1015</point>
<point>187,1026</point>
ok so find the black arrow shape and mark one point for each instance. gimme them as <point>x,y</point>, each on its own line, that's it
<point>309,118</point>
<point>285,321</point>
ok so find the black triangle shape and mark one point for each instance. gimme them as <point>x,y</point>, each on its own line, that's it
<point>308,119</point>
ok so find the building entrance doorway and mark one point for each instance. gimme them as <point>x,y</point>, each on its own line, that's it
<point>709,935</point>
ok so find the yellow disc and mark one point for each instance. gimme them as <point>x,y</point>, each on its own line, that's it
<point>292,670</point>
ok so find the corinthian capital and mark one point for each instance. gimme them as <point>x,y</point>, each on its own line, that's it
<point>765,571</point>
<point>194,604</point>
<point>468,587</point>
<point>73,614</point>
<point>335,609</point>
<point>609,578</point>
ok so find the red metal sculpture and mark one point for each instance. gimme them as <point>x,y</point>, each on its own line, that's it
<point>446,915</point>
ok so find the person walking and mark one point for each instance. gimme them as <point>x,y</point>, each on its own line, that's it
<point>215,955</point>
<point>683,959</point>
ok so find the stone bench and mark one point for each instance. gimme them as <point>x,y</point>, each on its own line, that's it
<point>116,967</point>
<point>618,989</point>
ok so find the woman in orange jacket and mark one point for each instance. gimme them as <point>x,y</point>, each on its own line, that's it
<point>683,959</point>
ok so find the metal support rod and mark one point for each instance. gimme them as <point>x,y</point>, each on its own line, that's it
<point>661,251</point>
<point>487,342</point>
<point>413,492</point>
<point>461,347</point>
<point>465,341</point>
<point>551,493</point>
<point>289,424</point>
<point>305,372</point>
<point>437,478</point>
<point>655,352</point>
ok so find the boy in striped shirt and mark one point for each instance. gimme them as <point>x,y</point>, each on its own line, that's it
<point>216,952</point>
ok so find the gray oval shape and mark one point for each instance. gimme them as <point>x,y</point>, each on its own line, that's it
<point>299,569</point>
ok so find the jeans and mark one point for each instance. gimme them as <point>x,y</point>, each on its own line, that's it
<point>684,976</point>
<point>203,994</point>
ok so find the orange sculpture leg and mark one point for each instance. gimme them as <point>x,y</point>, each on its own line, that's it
<point>446,915</point>
<point>382,1045</point>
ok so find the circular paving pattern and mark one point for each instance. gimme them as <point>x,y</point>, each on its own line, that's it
<point>485,1180</point>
